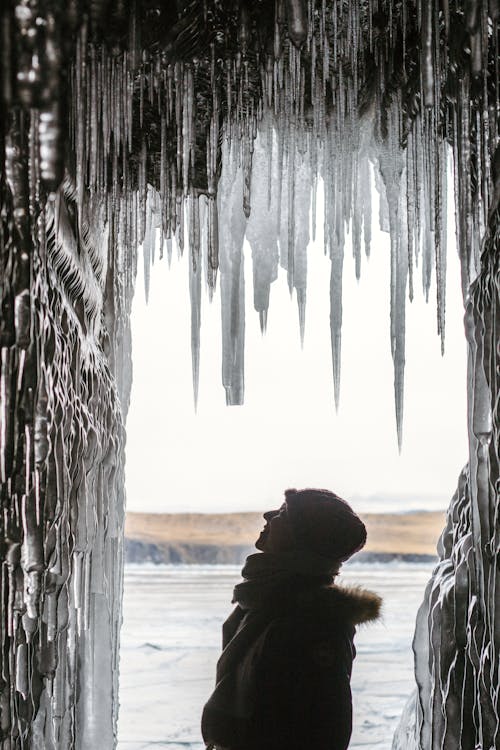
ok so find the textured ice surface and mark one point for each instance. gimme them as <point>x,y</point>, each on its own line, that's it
<point>456,636</point>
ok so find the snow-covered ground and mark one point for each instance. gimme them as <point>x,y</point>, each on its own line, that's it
<point>171,641</point>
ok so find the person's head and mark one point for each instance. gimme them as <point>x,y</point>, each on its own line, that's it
<point>315,521</point>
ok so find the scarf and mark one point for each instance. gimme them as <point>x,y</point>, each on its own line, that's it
<point>271,585</point>
<point>270,579</point>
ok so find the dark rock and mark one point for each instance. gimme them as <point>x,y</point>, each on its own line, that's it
<point>176,553</point>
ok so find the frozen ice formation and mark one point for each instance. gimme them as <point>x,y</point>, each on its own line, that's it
<point>456,641</point>
<point>126,124</point>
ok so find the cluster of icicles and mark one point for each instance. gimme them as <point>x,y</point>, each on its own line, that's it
<point>253,133</point>
<point>280,197</point>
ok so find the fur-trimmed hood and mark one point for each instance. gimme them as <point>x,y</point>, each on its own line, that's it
<point>351,604</point>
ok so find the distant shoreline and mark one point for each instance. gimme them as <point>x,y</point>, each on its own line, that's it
<point>227,538</point>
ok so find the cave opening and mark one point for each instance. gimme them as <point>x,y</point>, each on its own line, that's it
<point>204,461</point>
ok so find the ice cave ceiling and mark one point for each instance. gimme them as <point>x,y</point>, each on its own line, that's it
<point>210,121</point>
<point>155,104</point>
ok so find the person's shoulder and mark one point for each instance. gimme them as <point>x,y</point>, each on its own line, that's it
<point>330,613</point>
<point>350,606</point>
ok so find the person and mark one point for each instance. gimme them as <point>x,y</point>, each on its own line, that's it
<point>283,679</point>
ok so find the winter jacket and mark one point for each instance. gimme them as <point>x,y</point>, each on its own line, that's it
<point>286,686</point>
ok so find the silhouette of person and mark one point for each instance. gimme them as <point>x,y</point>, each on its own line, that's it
<point>283,679</point>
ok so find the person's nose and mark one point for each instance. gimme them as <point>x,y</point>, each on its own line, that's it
<point>270,514</point>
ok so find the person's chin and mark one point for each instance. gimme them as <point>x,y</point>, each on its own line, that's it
<point>260,542</point>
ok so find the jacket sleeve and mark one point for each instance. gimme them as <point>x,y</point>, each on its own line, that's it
<point>304,687</point>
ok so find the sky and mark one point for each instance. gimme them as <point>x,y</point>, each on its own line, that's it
<point>287,434</point>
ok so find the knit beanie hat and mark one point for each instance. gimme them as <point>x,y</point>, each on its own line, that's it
<point>324,524</point>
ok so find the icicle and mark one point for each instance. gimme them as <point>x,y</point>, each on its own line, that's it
<point>440,231</point>
<point>302,197</point>
<point>366,203</point>
<point>424,201</point>
<point>247,149</point>
<point>337,260</point>
<point>262,225</point>
<point>231,234</point>
<point>314,202</point>
<point>297,21</point>
<point>148,244</point>
<point>357,222</point>
<point>195,273</point>
<point>291,227</point>
<point>391,169</point>
<point>410,212</point>
<point>187,127</point>
<point>213,240</point>
<point>383,216</point>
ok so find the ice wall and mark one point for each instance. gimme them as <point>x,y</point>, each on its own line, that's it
<point>213,120</point>
<point>61,470</point>
<point>457,635</point>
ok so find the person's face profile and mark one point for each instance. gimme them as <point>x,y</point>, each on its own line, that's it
<point>276,535</point>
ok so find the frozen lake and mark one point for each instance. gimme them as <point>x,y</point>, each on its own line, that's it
<point>171,639</point>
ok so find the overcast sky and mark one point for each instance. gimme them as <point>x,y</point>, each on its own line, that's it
<point>287,434</point>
